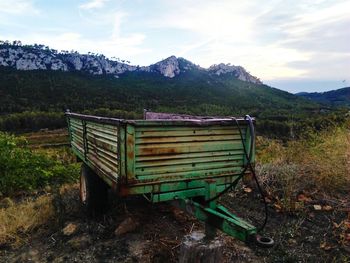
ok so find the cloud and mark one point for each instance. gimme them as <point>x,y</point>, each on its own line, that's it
<point>93,4</point>
<point>117,23</point>
<point>214,19</point>
<point>97,29</point>
<point>325,65</point>
<point>225,31</point>
<point>123,47</point>
<point>17,7</point>
<point>323,33</point>
<point>278,39</point>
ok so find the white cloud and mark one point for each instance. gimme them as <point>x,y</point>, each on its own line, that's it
<point>117,23</point>
<point>225,32</point>
<point>274,39</point>
<point>108,24</point>
<point>266,39</point>
<point>115,42</point>
<point>17,7</point>
<point>93,4</point>
<point>210,18</point>
<point>315,18</point>
<point>123,47</point>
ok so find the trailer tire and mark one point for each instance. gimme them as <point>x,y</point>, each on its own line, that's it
<point>93,192</point>
<point>265,242</point>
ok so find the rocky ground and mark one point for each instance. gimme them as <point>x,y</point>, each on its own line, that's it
<point>137,231</point>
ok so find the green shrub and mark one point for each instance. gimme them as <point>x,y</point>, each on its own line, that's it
<point>22,169</point>
<point>31,121</point>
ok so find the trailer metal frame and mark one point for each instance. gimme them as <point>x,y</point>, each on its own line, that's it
<point>186,161</point>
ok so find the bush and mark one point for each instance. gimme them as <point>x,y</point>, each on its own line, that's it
<point>22,169</point>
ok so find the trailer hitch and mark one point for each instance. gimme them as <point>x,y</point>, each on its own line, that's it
<point>216,216</point>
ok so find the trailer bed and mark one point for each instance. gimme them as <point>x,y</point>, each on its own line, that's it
<point>188,160</point>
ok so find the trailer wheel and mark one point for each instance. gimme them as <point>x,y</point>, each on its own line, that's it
<point>93,192</point>
<point>266,242</point>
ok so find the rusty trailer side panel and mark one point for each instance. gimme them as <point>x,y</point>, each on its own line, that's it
<point>160,156</point>
<point>76,135</point>
<point>97,145</point>
<point>168,160</point>
<point>169,153</point>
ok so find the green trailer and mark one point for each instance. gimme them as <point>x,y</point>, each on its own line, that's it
<point>186,160</point>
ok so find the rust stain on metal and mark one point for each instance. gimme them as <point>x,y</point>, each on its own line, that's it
<point>130,147</point>
<point>158,151</point>
<point>210,180</point>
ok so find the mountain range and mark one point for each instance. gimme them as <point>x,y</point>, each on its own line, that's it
<point>37,84</point>
<point>34,57</point>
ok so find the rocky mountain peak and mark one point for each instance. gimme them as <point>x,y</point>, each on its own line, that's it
<point>237,71</point>
<point>168,67</point>
<point>33,57</point>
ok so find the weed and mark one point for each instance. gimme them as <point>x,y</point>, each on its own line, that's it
<point>60,154</point>
<point>317,163</point>
<point>19,219</point>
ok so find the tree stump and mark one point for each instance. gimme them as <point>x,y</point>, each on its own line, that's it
<point>197,248</point>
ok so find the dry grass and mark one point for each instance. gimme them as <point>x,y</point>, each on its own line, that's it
<point>324,159</point>
<point>19,219</point>
<point>47,137</point>
<point>318,164</point>
<point>348,151</point>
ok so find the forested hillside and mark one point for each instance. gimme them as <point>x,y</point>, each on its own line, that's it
<point>339,97</point>
<point>195,92</point>
<point>36,99</point>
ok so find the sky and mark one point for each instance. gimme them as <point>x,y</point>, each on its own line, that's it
<point>291,45</point>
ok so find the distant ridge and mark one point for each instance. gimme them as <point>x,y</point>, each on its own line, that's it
<point>40,57</point>
<point>339,97</point>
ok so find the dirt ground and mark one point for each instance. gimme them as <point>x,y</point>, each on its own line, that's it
<point>155,232</point>
<point>308,235</point>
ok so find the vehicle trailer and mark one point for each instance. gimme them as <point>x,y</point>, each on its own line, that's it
<point>188,160</point>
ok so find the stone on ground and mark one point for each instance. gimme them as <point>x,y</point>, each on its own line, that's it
<point>128,225</point>
<point>197,248</point>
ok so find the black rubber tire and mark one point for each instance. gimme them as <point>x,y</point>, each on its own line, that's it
<point>94,194</point>
<point>265,242</point>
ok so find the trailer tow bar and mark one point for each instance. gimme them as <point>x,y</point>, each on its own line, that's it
<point>218,216</point>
